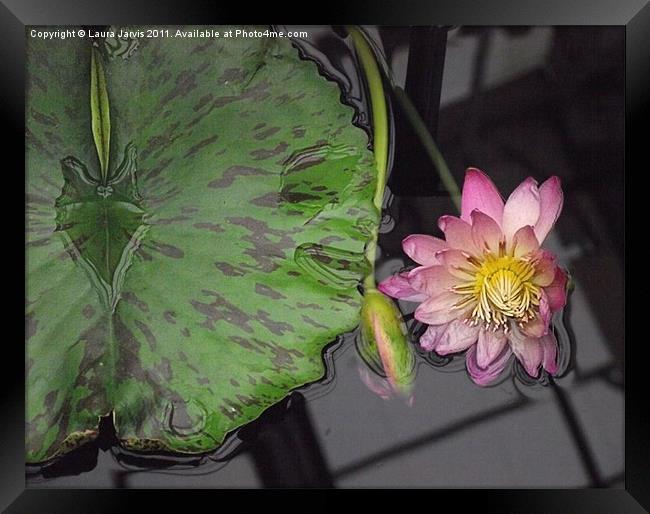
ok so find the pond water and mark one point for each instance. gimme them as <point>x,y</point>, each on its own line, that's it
<point>561,432</point>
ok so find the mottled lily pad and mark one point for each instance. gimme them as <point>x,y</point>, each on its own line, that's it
<point>193,278</point>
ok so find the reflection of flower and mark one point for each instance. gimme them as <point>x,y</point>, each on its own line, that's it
<point>382,387</point>
<point>488,287</point>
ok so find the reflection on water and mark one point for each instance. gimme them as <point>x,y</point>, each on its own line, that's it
<point>331,266</point>
<point>97,216</point>
<point>298,195</point>
<point>185,419</point>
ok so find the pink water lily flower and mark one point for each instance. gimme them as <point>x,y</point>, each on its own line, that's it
<point>488,287</point>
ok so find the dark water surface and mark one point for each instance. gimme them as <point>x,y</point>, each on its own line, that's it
<point>562,432</point>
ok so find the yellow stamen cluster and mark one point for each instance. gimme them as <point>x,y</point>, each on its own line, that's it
<point>498,289</point>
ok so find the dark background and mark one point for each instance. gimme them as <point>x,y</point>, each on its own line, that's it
<point>513,101</point>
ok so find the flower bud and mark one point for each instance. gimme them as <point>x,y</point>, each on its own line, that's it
<point>383,344</point>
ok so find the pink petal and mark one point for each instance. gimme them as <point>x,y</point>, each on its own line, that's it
<point>528,350</point>
<point>489,347</point>
<point>439,309</point>
<point>556,291</point>
<point>534,328</point>
<point>479,192</point>
<point>538,326</point>
<point>429,339</point>
<point>524,241</point>
<point>544,309</point>
<point>431,280</point>
<point>422,248</point>
<point>484,376</point>
<point>457,264</point>
<point>486,232</point>
<point>522,208</point>
<point>455,337</point>
<point>398,286</point>
<point>544,269</point>
<point>551,199</point>
<point>458,234</point>
<point>549,349</point>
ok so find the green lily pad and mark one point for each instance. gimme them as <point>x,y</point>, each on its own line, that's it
<point>191,278</point>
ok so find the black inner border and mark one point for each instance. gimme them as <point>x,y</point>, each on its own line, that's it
<point>16,14</point>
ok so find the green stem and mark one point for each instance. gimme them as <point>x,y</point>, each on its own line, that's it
<point>380,135</point>
<point>379,111</point>
<point>369,283</point>
<point>429,145</point>
<point>422,132</point>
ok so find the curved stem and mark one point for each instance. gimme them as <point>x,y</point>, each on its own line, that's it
<point>421,131</point>
<point>380,135</point>
<point>379,111</point>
